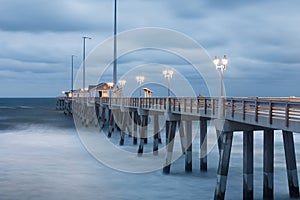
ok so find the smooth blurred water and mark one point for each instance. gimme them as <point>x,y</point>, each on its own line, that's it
<point>41,157</point>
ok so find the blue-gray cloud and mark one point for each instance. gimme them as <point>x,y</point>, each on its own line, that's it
<point>56,15</point>
<point>261,39</point>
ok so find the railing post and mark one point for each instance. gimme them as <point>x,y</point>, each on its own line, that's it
<point>232,108</point>
<point>270,112</point>
<point>174,102</point>
<point>287,115</point>
<point>244,110</point>
<point>205,106</point>
<point>214,106</point>
<point>256,111</point>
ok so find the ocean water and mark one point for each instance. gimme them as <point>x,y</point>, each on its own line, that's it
<point>42,157</point>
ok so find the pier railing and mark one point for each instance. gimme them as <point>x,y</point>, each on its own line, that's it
<point>277,113</point>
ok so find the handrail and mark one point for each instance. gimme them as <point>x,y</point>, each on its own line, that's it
<point>231,108</point>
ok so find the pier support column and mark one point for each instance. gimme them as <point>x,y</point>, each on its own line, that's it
<point>135,123</point>
<point>291,164</point>
<point>219,139</point>
<point>111,123</point>
<point>129,123</point>
<point>143,128</point>
<point>123,128</point>
<point>182,136</point>
<point>155,134</point>
<point>102,118</point>
<point>248,165</point>
<point>146,130</point>
<point>268,164</point>
<point>170,132</point>
<point>203,145</point>
<point>188,154</point>
<point>167,131</point>
<point>223,165</point>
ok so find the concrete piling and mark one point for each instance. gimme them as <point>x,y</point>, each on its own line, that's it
<point>155,134</point>
<point>182,136</point>
<point>203,145</point>
<point>135,123</point>
<point>268,167</point>
<point>223,165</point>
<point>189,153</point>
<point>170,132</point>
<point>248,165</point>
<point>291,164</point>
<point>123,127</point>
<point>143,128</point>
<point>111,123</point>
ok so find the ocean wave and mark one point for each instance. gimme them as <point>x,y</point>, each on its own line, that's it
<point>7,107</point>
<point>25,107</point>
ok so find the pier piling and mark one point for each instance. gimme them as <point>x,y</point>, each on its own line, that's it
<point>170,132</point>
<point>111,123</point>
<point>203,145</point>
<point>155,134</point>
<point>188,155</point>
<point>248,165</point>
<point>268,167</point>
<point>291,164</point>
<point>223,165</point>
<point>143,128</point>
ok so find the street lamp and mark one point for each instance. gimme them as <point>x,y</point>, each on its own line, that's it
<point>122,83</point>
<point>168,73</point>
<point>83,60</point>
<point>110,86</point>
<point>140,80</point>
<point>221,68</point>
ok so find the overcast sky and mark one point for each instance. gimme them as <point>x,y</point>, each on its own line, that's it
<point>261,39</point>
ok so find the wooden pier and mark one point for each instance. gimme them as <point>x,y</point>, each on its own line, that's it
<point>229,115</point>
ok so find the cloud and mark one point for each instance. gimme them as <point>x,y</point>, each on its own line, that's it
<point>261,39</point>
<point>53,16</point>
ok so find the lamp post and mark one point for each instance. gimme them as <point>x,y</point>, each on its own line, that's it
<point>168,73</point>
<point>83,60</point>
<point>140,80</point>
<point>221,68</point>
<point>115,44</point>
<point>72,73</point>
